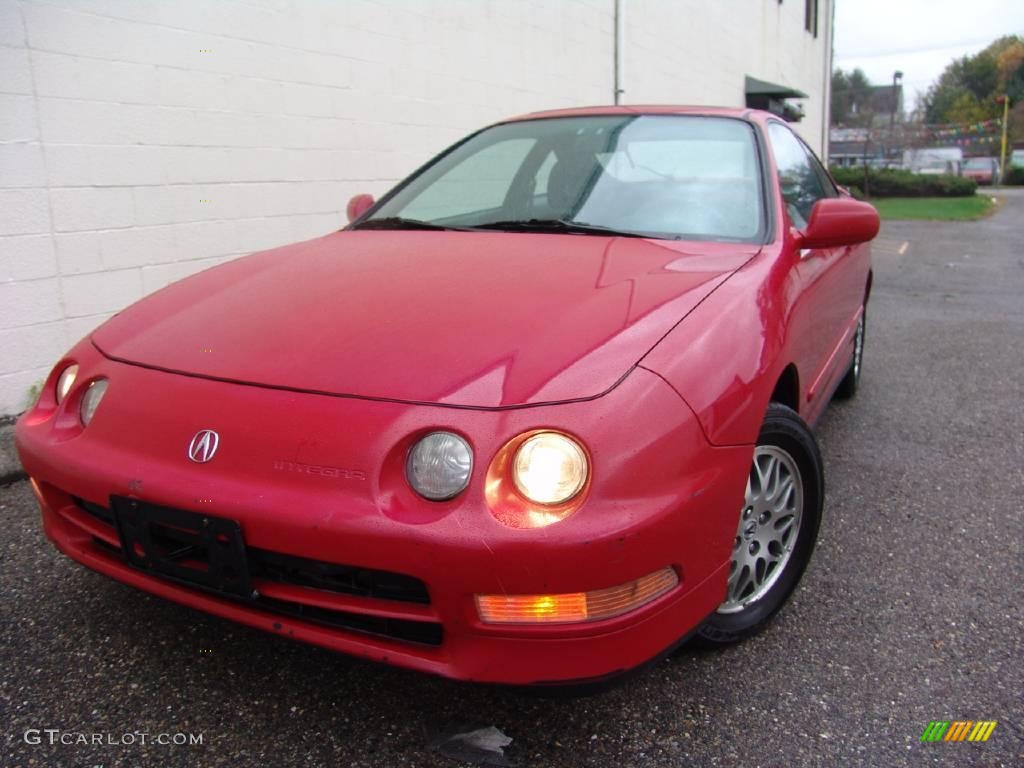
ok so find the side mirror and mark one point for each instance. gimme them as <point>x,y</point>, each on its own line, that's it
<point>358,205</point>
<point>839,221</point>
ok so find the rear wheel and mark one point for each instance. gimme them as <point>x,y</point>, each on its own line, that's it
<point>851,381</point>
<point>776,531</point>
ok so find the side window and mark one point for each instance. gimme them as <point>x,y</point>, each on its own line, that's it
<point>478,183</point>
<point>826,181</point>
<point>800,176</point>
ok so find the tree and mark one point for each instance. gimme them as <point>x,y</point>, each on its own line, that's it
<point>1010,64</point>
<point>851,99</point>
<point>966,91</point>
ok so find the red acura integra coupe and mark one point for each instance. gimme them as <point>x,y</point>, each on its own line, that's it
<point>535,417</point>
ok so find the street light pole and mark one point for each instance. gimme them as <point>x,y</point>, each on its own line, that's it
<point>897,76</point>
<point>1002,153</point>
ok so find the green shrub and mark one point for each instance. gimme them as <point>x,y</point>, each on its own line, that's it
<point>896,182</point>
<point>1014,175</point>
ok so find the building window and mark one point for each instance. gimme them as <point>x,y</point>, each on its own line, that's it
<point>811,16</point>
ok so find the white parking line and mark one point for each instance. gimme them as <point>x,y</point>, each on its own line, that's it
<point>903,248</point>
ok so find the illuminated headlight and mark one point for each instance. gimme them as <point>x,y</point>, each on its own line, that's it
<point>91,400</point>
<point>65,382</point>
<point>550,468</point>
<point>439,466</point>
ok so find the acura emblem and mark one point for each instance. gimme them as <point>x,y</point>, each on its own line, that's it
<point>203,446</point>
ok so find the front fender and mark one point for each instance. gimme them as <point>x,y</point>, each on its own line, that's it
<point>726,356</point>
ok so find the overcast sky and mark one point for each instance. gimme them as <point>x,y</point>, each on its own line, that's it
<point>918,37</point>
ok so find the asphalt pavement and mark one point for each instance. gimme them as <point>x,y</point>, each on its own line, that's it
<point>910,611</point>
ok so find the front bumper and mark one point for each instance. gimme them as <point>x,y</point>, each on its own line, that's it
<point>319,479</point>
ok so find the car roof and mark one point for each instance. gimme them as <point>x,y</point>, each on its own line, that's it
<point>644,109</point>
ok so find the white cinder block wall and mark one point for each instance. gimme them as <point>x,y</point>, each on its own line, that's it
<point>143,140</point>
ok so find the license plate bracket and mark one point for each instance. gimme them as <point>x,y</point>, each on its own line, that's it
<point>196,549</point>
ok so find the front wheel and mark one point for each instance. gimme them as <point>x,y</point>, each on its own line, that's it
<point>777,528</point>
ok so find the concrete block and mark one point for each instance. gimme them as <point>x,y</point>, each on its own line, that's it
<point>34,346</point>
<point>78,77</point>
<point>29,302</point>
<point>203,239</point>
<point>14,63</point>
<point>92,208</point>
<point>25,211</point>
<point>22,165</point>
<point>137,247</point>
<point>100,292</point>
<point>17,118</point>
<point>77,328</point>
<point>27,257</point>
<point>78,253</point>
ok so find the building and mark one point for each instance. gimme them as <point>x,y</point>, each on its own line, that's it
<point>873,106</point>
<point>141,141</point>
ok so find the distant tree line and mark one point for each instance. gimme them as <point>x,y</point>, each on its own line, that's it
<point>966,91</point>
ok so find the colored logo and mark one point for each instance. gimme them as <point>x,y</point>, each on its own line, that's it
<point>958,730</point>
<point>203,446</point>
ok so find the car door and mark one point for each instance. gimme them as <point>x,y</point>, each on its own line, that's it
<point>819,313</point>
<point>844,289</point>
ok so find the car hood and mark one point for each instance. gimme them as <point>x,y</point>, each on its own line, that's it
<point>484,320</point>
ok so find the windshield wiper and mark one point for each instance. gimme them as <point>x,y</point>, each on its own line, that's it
<point>399,222</point>
<point>559,226</point>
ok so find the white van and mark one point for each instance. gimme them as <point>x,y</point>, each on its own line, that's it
<point>933,161</point>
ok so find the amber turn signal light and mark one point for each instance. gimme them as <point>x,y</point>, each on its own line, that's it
<point>575,606</point>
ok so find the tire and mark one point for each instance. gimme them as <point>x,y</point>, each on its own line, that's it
<point>786,450</point>
<point>851,381</point>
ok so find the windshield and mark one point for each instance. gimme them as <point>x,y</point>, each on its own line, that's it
<point>670,176</point>
<point>978,165</point>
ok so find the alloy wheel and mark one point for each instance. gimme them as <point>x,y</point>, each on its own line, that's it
<point>768,528</point>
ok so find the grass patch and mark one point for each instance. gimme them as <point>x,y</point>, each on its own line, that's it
<point>934,208</point>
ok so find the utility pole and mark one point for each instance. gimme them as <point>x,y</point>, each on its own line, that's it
<point>1005,100</point>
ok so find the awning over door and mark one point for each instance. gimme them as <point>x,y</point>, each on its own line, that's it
<point>764,95</point>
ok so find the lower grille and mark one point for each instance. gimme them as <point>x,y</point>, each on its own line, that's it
<point>425,632</point>
<point>342,579</point>
<point>346,579</point>
<point>102,514</point>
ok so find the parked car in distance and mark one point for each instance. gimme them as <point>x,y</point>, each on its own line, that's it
<point>537,416</point>
<point>1017,158</point>
<point>984,170</point>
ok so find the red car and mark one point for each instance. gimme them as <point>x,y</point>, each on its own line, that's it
<point>535,417</point>
<point>983,170</point>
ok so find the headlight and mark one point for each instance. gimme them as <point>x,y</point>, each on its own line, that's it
<point>91,400</point>
<point>65,382</point>
<point>550,468</point>
<point>439,466</point>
